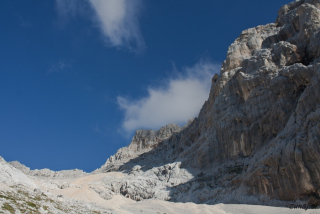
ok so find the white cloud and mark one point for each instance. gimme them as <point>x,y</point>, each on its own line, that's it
<point>118,20</point>
<point>176,102</point>
<point>70,8</point>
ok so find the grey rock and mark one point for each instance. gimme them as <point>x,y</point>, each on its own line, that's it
<point>154,183</point>
<point>257,137</point>
<point>262,113</point>
<point>11,176</point>
<point>143,141</point>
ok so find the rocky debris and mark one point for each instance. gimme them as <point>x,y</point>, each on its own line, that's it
<point>154,183</point>
<point>75,173</point>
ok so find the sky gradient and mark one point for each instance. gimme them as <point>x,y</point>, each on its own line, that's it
<point>79,76</point>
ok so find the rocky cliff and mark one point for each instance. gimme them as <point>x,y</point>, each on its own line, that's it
<point>256,139</point>
<point>263,109</point>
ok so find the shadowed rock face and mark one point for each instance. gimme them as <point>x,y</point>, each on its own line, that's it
<point>258,134</point>
<point>264,109</point>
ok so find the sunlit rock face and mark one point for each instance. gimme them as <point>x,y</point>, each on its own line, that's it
<point>263,112</point>
<point>256,139</point>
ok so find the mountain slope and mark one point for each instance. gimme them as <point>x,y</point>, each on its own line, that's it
<point>256,139</point>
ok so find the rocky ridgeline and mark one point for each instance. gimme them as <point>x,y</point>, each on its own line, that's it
<point>12,176</point>
<point>47,172</point>
<point>143,141</point>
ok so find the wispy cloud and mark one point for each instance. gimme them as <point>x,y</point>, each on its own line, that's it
<point>60,66</point>
<point>175,102</point>
<point>23,22</point>
<point>70,8</point>
<point>117,19</point>
<point>97,128</point>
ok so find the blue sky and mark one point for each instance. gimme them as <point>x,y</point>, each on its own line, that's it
<point>79,76</point>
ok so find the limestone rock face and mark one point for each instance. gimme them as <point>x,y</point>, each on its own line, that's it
<point>263,111</point>
<point>256,139</point>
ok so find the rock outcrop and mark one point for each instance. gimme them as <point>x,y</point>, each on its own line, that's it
<point>143,141</point>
